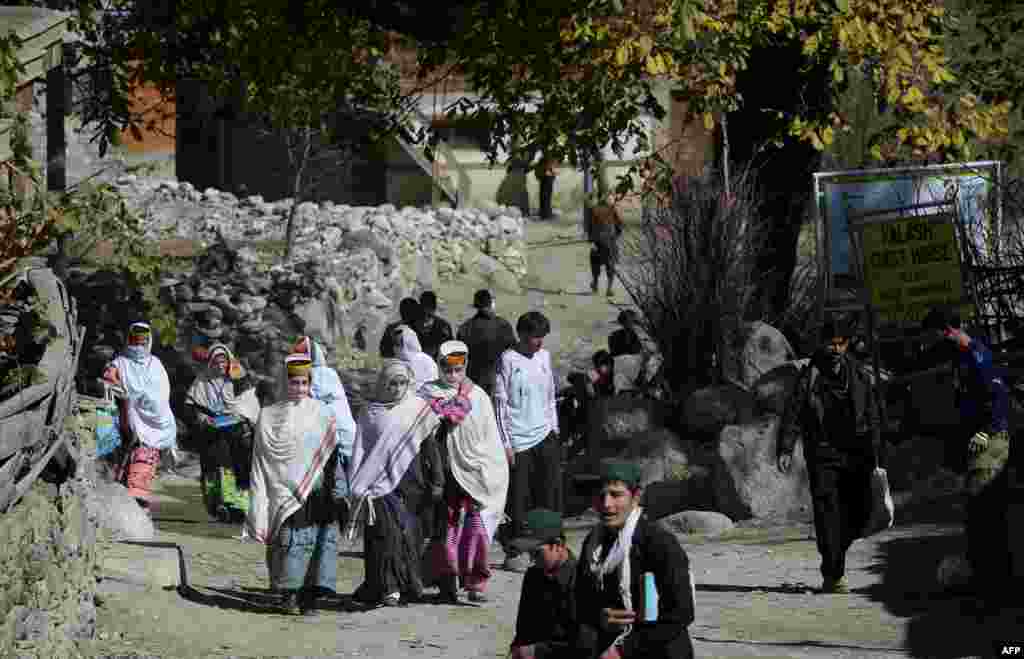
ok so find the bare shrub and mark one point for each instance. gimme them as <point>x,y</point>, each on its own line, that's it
<point>692,271</point>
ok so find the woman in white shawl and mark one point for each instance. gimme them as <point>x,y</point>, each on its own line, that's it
<point>224,410</point>
<point>476,482</point>
<point>293,498</point>
<point>143,391</point>
<point>396,472</point>
<point>409,351</point>
<point>326,387</point>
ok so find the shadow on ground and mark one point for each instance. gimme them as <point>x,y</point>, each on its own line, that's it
<point>941,625</point>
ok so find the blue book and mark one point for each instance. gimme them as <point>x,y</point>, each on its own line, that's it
<point>650,598</point>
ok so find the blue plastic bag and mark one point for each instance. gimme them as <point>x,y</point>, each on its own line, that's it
<point>108,432</point>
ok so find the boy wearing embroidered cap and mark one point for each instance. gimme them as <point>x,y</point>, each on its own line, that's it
<point>546,621</point>
<point>634,587</point>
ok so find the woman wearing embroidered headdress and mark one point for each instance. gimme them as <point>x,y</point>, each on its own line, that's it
<point>224,409</point>
<point>294,496</point>
<point>409,351</point>
<point>325,386</point>
<point>140,383</point>
<point>476,477</point>
<point>395,474</point>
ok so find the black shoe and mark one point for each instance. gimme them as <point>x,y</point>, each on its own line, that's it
<point>290,603</point>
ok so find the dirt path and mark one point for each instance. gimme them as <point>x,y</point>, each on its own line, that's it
<point>754,599</point>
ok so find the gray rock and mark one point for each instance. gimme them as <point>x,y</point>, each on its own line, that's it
<point>29,624</point>
<point>712,408</point>
<point>616,422</point>
<point>756,351</point>
<point>747,481</point>
<point>773,390</point>
<point>689,522</point>
<point>660,454</point>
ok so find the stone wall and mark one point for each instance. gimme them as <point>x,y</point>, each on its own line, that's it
<point>48,561</point>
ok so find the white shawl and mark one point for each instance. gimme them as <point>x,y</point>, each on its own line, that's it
<point>147,390</point>
<point>475,452</point>
<point>293,443</point>
<point>617,556</point>
<point>388,438</point>
<point>325,385</point>
<point>424,368</point>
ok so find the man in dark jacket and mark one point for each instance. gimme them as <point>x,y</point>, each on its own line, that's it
<point>547,603</point>
<point>604,230</point>
<point>409,312</point>
<point>649,617</point>
<point>432,330</point>
<point>487,336</point>
<point>984,444</point>
<point>834,408</point>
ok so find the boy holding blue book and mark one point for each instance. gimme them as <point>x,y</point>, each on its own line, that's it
<point>634,587</point>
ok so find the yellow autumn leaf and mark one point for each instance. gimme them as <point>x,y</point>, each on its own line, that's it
<point>709,121</point>
<point>655,65</point>
<point>904,56</point>
<point>622,54</point>
<point>644,44</point>
<point>827,135</point>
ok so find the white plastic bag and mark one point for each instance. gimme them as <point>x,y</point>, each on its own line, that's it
<point>882,508</point>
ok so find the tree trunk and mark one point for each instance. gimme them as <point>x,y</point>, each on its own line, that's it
<point>300,160</point>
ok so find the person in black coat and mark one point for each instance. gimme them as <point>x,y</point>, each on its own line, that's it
<point>650,617</point>
<point>834,408</point>
<point>431,329</point>
<point>487,335</point>
<point>547,604</point>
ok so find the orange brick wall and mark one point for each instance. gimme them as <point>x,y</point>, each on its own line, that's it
<point>161,138</point>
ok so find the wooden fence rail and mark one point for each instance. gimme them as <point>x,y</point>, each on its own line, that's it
<point>32,421</point>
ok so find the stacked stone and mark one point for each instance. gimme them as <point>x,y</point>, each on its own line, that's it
<point>432,243</point>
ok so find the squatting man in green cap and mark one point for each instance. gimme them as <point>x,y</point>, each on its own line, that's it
<point>546,621</point>
<point>834,409</point>
<point>634,588</point>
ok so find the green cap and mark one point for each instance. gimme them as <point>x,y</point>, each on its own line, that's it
<point>541,525</point>
<point>620,470</point>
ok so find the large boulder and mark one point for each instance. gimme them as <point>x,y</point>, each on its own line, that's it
<point>773,390</point>
<point>615,422</point>
<point>747,482</point>
<point>322,319</point>
<point>660,454</point>
<point>119,514</point>
<point>690,522</point>
<point>758,349</point>
<point>710,409</point>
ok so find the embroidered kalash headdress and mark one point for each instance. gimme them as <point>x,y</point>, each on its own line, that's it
<point>453,353</point>
<point>298,364</point>
<point>139,334</point>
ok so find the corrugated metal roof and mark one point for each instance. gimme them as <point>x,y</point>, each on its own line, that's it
<point>41,31</point>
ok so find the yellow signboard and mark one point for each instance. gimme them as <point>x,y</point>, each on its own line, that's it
<point>910,266</point>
